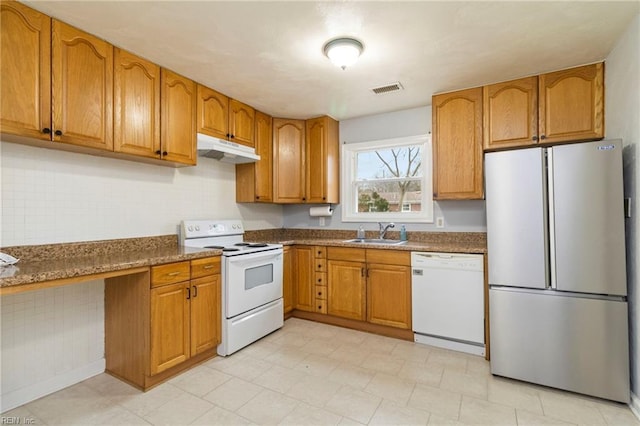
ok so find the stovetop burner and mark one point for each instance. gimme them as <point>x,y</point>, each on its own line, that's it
<point>214,247</point>
<point>241,244</point>
<point>256,245</point>
<point>228,249</point>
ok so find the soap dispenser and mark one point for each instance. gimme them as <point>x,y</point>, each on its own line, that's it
<point>403,233</point>
<point>360,234</point>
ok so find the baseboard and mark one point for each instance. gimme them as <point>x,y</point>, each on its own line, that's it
<point>32,392</point>
<point>635,405</point>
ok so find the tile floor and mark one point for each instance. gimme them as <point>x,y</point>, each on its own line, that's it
<point>309,373</point>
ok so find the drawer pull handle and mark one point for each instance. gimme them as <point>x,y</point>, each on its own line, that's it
<point>207,267</point>
<point>174,274</point>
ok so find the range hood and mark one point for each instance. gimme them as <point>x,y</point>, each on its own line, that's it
<point>225,151</point>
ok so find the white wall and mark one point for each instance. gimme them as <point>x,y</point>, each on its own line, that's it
<point>622,102</point>
<point>51,196</point>
<point>53,338</point>
<point>461,216</point>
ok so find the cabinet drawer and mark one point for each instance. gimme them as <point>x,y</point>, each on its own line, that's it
<point>320,278</point>
<point>204,267</point>
<point>320,252</point>
<point>170,273</point>
<point>321,306</point>
<point>320,265</point>
<point>321,293</point>
<point>346,253</point>
<point>389,257</point>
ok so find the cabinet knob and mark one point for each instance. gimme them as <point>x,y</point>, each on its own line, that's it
<point>304,199</point>
<point>535,138</point>
<point>228,135</point>
<point>319,280</point>
<point>232,136</point>
<point>542,137</point>
<point>257,197</point>
<point>324,198</point>
<point>158,152</point>
<point>46,130</point>
<point>164,153</point>
<point>58,132</point>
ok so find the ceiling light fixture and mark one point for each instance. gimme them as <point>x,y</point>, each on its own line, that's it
<point>343,51</point>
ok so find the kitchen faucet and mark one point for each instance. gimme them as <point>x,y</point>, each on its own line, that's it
<point>383,229</point>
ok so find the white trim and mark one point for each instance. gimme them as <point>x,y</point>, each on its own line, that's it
<point>634,405</point>
<point>347,168</point>
<point>32,392</point>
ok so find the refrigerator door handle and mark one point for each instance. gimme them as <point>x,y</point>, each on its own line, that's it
<point>551,220</point>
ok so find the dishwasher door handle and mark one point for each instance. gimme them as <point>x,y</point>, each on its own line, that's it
<point>418,272</point>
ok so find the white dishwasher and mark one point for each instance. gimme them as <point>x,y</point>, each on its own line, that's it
<point>448,300</point>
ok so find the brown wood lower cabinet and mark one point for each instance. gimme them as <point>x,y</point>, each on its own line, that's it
<point>303,278</point>
<point>389,295</point>
<point>158,324</point>
<point>346,288</point>
<point>287,279</point>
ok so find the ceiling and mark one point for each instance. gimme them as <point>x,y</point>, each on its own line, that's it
<point>269,54</point>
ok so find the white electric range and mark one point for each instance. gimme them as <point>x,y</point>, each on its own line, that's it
<point>251,280</point>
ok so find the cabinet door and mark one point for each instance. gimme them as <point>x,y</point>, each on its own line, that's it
<point>136,105</point>
<point>82,78</point>
<point>205,313</point>
<point>572,104</point>
<point>169,326</point>
<point>322,161</point>
<point>457,145</point>
<point>25,66</point>
<point>213,113</point>
<point>303,278</point>
<point>346,288</point>
<point>288,161</point>
<point>178,118</point>
<point>254,181</point>
<point>511,113</point>
<point>389,295</point>
<point>241,127</point>
<point>287,280</point>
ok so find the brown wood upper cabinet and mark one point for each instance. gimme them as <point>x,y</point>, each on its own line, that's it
<point>561,106</point>
<point>178,124</point>
<point>571,104</point>
<point>45,60</point>
<point>511,113</point>
<point>225,118</point>
<point>254,181</point>
<point>457,145</point>
<point>136,113</point>
<point>82,76</point>
<point>25,86</point>
<point>322,173</point>
<point>288,161</point>
<point>306,161</point>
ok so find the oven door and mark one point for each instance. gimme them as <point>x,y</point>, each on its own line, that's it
<point>252,280</point>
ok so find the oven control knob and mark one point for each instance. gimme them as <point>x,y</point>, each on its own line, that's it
<point>197,228</point>
<point>190,228</point>
<point>233,226</point>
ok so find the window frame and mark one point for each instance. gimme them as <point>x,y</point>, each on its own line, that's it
<point>348,193</point>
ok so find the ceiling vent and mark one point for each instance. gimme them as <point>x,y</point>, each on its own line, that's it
<point>393,87</point>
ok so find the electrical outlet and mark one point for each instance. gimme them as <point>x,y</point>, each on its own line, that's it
<point>439,222</point>
<point>321,221</point>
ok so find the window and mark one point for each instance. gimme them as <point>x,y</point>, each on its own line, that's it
<point>387,180</point>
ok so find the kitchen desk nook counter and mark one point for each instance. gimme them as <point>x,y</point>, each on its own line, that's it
<point>51,265</point>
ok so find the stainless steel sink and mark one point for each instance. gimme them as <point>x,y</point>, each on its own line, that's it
<point>376,241</point>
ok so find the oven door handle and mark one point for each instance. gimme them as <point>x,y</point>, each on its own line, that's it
<point>253,257</point>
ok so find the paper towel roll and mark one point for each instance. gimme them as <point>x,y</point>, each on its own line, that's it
<point>324,211</point>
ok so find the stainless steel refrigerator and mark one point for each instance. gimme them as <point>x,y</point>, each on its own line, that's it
<point>557,295</point>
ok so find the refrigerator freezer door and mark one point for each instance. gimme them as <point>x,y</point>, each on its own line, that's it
<point>516,218</point>
<point>588,218</point>
<point>573,343</point>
